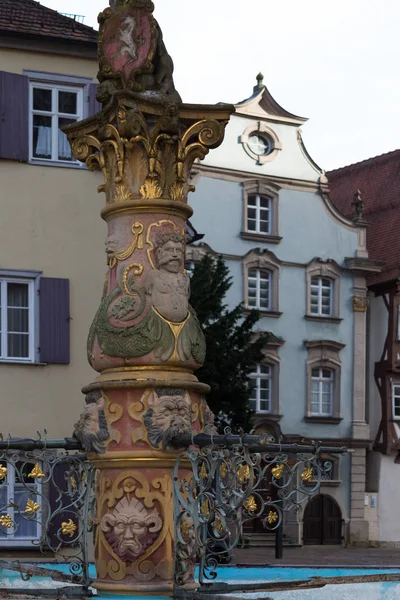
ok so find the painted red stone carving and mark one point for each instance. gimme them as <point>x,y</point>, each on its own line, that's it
<point>127,41</point>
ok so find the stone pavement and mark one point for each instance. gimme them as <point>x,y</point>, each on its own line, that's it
<point>320,556</point>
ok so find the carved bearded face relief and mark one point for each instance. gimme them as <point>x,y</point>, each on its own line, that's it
<point>130,528</point>
<point>169,252</point>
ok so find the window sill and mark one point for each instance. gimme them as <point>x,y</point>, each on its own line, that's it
<point>323,319</point>
<point>54,163</point>
<point>273,314</point>
<point>267,238</point>
<point>258,417</point>
<point>22,362</point>
<point>20,544</point>
<point>325,483</point>
<point>322,419</point>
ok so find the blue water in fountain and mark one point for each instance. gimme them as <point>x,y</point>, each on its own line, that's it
<point>239,575</point>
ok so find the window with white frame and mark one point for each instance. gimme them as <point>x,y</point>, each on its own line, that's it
<point>321,296</point>
<point>259,289</point>
<point>18,492</point>
<point>17,320</point>
<point>261,389</point>
<point>259,214</point>
<point>322,382</point>
<point>52,107</point>
<point>396,400</point>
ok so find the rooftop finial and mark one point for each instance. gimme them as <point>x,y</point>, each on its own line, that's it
<point>260,82</point>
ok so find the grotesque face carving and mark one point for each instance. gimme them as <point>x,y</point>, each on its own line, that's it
<point>169,416</point>
<point>130,528</point>
<point>92,429</point>
<point>169,252</point>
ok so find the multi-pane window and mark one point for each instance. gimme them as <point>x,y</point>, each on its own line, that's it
<point>53,107</point>
<point>18,494</point>
<point>321,296</point>
<point>259,289</point>
<point>322,382</point>
<point>16,319</point>
<point>259,214</point>
<point>396,400</point>
<point>261,388</point>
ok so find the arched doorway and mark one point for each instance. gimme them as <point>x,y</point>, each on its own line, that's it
<point>322,521</point>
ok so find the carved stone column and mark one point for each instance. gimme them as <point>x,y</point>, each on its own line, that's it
<point>145,340</point>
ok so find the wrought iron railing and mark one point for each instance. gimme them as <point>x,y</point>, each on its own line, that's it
<point>47,504</point>
<point>230,481</point>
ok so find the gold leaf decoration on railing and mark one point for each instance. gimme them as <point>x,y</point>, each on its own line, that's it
<point>5,521</point>
<point>277,471</point>
<point>205,508</point>
<point>36,472</point>
<point>223,471</point>
<point>307,474</point>
<point>251,504</point>
<point>32,507</point>
<point>3,472</point>
<point>68,528</point>
<point>219,526</point>
<point>272,517</point>
<point>243,473</point>
<point>203,471</point>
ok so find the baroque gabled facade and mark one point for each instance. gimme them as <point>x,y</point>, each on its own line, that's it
<point>370,190</point>
<point>303,265</point>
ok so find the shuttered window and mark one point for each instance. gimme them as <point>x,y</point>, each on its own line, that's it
<point>17,316</point>
<point>33,107</point>
<point>34,319</point>
<point>51,108</point>
<point>14,116</point>
<point>54,321</point>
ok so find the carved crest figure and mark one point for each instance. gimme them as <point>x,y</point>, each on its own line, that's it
<point>169,417</point>
<point>130,528</point>
<point>132,52</point>
<point>91,429</point>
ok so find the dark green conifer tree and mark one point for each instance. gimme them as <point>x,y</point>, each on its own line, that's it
<point>232,348</point>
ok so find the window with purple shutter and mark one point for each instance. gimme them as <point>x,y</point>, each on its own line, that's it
<point>94,106</point>
<point>14,116</point>
<point>54,340</point>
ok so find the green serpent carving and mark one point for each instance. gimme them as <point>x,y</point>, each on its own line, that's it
<point>151,334</point>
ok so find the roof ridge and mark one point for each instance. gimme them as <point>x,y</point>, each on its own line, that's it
<point>32,17</point>
<point>376,158</point>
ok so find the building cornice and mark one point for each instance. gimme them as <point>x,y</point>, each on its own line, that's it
<point>364,265</point>
<point>48,45</point>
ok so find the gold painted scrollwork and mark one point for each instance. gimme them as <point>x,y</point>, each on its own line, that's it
<point>113,412</point>
<point>137,270</point>
<point>137,243</point>
<point>152,494</point>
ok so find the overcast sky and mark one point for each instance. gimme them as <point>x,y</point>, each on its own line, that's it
<point>333,61</point>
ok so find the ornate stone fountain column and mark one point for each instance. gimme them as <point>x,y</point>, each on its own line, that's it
<point>145,340</point>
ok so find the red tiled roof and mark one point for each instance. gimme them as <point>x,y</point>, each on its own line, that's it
<point>29,17</point>
<point>378,179</point>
